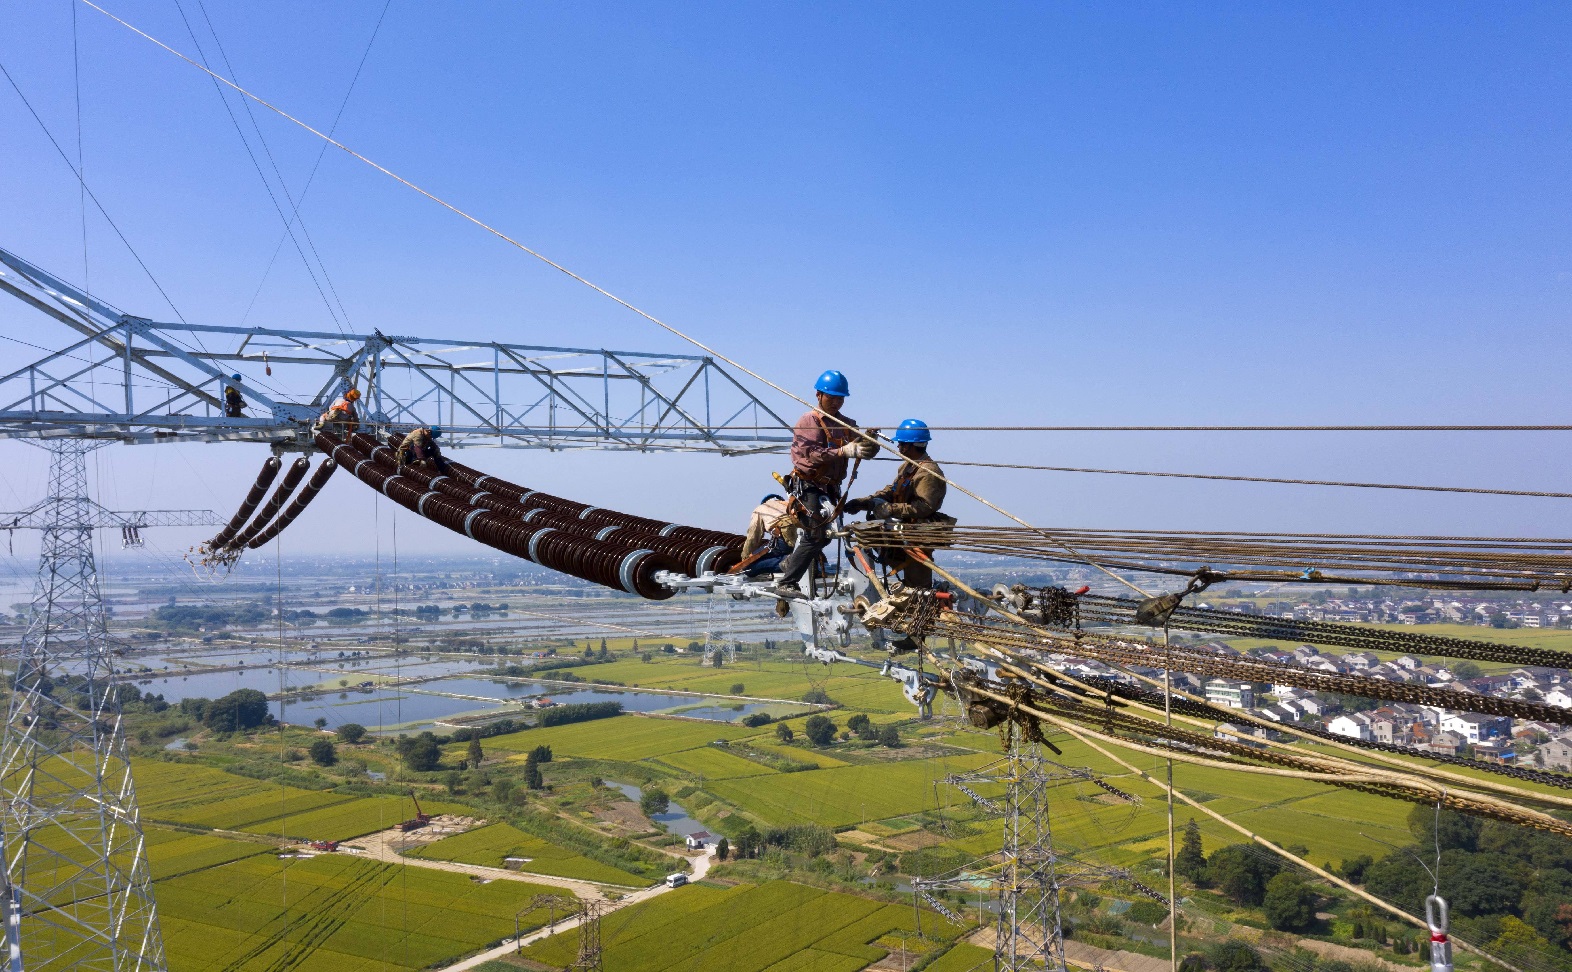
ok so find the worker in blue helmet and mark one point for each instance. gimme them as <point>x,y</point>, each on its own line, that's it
<point>234,404</point>
<point>914,497</point>
<point>823,443</point>
<point>419,449</point>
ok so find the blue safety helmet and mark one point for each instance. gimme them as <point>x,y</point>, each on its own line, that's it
<point>833,383</point>
<point>913,430</point>
<point>771,496</point>
<point>436,432</point>
<point>237,378</point>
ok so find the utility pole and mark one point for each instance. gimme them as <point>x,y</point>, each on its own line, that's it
<point>79,892</point>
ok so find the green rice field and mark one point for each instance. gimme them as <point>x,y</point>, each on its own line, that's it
<point>774,927</point>
<point>332,914</point>
<point>488,846</point>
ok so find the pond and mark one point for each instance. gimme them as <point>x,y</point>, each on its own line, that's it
<point>675,819</point>
<point>633,700</point>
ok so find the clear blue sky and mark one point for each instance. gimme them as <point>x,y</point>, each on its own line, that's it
<point>983,213</point>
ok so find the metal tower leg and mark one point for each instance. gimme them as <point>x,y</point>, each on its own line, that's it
<point>75,859</point>
<point>1030,934</point>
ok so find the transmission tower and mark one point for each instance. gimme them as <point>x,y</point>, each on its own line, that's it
<point>589,938</point>
<point>77,890</point>
<point>1028,933</point>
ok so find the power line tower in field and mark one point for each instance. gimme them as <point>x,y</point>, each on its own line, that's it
<point>77,890</point>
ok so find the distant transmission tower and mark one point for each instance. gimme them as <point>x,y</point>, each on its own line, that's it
<point>589,938</point>
<point>77,892</point>
<point>1028,933</point>
<point>720,640</point>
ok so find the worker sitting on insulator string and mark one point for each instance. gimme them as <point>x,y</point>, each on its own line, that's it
<point>822,442</point>
<point>419,449</point>
<point>914,497</point>
<point>340,416</point>
<point>234,404</point>
<point>766,543</point>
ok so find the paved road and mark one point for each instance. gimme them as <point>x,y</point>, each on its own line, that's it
<point>701,867</point>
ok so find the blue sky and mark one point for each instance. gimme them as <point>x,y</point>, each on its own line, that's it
<point>1013,214</point>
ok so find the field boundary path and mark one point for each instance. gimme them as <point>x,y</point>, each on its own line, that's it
<point>701,867</point>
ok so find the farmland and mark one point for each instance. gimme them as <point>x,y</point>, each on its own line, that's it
<point>331,913</point>
<point>488,846</point>
<point>711,763</point>
<point>843,795</point>
<point>775,927</point>
<point>623,738</point>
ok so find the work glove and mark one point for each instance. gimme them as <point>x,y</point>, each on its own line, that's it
<point>858,505</point>
<point>860,449</point>
<point>878,509</point>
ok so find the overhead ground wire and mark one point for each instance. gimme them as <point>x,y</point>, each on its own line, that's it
<point>1483,491</point>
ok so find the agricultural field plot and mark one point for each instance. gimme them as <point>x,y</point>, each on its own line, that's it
<point>843,795</point>
<point>625,738</point>
<point>962,957</point>
<point>774,927</point>
<point>171,853</point>
<point>184,793</point>
<point>489,846</point>
<point>712,763</point>
<point>802,754</point>
<point>332,914</point>
<point>353,817</point>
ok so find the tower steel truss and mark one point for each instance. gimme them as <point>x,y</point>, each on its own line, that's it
<point>131,379</point>
<point>78,892</point>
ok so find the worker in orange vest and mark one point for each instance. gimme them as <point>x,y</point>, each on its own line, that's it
<point>341,414</point>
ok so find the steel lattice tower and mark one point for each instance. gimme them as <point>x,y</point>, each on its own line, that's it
<point>1029,933</point>
<point>76,872</point>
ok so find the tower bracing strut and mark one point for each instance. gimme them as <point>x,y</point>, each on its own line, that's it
<point>78,892</point>
<point>132,379</point>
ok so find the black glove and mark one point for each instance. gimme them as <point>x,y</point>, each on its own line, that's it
<point>857,505</point>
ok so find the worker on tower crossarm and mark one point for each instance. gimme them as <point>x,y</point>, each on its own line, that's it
<point>914,497</point>
<point>340,416</point>
<point>419,448</point>
<point>234,404</point>
<point>822,444</point>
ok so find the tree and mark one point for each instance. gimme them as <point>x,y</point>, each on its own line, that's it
<point>1289,903</point>
<point>1232,955</point>
<point>889,736</point>
<point>532,778</point>
<point>819,730</point>
<point>748,843</point>
<point>452,779</point>
<point>352,732</point>
<point>722,849</point>
<point>502,789</point>
<point>1457,831</point>
<point>421,753</point>
<point>817,696</point>
<point>322,752</point>
<point>1240,872</point>
<point>319,722</point>
<point>473,755</point>
<point>783,732</point>
<point>1466,670</point>
<point>541,754</point>
<point>1190,862</point>
<point>645,657</point>
<point>857,723</point>
<point>737,688</point>
<point>239,710</point>
<point>655,800</point>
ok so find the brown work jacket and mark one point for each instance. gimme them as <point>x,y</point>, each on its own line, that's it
<point>917,493</point>
<point>815,444</point>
